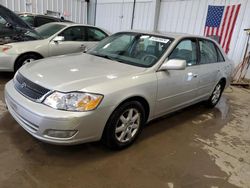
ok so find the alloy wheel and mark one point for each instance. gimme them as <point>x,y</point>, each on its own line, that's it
<point>128,125</point>
<point>216,94</point>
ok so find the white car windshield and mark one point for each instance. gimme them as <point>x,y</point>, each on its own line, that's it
<point>137,49</point>
<point>49,29</point>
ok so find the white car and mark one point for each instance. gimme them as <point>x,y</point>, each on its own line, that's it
<point>51,39</point>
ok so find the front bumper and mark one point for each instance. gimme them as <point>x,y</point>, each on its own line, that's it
<point>37,119</point>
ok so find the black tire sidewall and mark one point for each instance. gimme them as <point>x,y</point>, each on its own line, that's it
<point>109,136</point>
<point>20,61</point>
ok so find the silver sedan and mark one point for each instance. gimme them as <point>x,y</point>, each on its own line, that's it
<point>51,39</point>
<point>113,90</point>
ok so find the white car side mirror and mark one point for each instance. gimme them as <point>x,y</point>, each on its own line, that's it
<point>173,64</point>
<point>58,39</point>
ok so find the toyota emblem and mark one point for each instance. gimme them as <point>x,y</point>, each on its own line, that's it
<point>23,85</point>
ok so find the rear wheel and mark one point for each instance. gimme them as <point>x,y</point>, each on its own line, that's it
<point>216,95</point>
<point>27,58</point>
<point>124,125</point>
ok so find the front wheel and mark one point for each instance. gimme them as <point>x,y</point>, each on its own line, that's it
<point>124,125</point>
<point>216,95</point>
<point>24,59</point>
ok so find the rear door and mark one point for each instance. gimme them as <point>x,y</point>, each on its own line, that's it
<point>74,41</point>
<point>210,67</point>
<point>178,88</point>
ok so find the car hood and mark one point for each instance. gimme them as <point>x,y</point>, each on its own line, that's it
<point>76,72</point>
<point>28,45</point>
<point>12,18</point>
<point>13,28</point>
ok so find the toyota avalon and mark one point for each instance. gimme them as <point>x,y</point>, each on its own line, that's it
<point>113,90</point>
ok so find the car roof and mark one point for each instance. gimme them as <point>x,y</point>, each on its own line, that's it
<point>67,24</point>
<point>40,15</point>
<point>34,14</point>
<point>168,34</point>
<point>43,15</point>
<point>71,24</point>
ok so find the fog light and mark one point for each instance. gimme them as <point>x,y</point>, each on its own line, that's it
<point>59,133</point>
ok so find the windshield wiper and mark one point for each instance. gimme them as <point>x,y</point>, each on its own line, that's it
<point>107,57</point>
<point>104,56</point>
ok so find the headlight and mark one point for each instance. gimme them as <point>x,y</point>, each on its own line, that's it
<point>74,101</point>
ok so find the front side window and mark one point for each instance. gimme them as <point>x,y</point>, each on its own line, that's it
<point>132,48</point>
<point>208,53</point>
<point>186,50</point>
<point>74,34</point>
<point>95,34</point>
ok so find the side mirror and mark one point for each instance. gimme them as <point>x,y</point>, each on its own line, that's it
<point>173,64</point>
<point>8,25</point>
<point>58,39</point>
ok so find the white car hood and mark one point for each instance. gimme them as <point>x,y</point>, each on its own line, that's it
<point>76,72</point>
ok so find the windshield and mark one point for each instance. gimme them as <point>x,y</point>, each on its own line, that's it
<point>137,49</point>
<point>49,29</point>
<point>28,19</point>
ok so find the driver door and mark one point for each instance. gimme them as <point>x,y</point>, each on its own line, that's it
<point>73,42</point>
<point>178,88</point>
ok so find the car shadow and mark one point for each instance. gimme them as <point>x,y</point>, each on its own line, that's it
<point>6,76</point>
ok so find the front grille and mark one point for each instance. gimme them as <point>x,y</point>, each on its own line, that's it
<point>28,88</point>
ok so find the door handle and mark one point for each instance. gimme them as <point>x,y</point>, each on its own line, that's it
<point>191,75</point>
<point>83,47</point>
<point>195,75</point>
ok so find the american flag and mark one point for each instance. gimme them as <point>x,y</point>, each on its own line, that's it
<point>220,23</point>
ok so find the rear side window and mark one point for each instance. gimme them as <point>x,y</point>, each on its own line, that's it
<point>95,34</point>
<point>208,52</point>
<point>220,56</point>
<point>186,50</point>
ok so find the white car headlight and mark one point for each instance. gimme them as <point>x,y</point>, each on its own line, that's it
<point>74,101</point>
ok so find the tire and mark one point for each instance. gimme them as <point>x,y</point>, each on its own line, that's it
<point>25,59</point>
<point>216,95</point>
<point>123,127</point>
